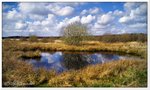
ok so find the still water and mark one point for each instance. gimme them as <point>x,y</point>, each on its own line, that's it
<point>63,61</point>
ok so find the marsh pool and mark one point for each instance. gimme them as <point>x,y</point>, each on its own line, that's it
<point>63,61</point>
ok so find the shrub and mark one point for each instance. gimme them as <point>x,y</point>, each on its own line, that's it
<point>74,33</point>
<point>33,38</point>
<point>23,39</point>
<point>45,40</point>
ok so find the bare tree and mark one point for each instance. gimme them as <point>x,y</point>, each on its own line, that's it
<point>74,33</point>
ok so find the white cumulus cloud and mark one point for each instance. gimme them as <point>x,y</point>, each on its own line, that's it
<point>65,11</point>
<point>94,10</point>
<point>49,19</point>
<point>61,11</point>
<point>87,19</point>
<point>136,15</point>
<point>20,25</point>
<point>105,19</point>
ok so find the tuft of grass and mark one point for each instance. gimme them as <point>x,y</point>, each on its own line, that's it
<point>31,54</point>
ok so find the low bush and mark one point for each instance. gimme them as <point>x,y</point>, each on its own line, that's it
<point>33,38</point>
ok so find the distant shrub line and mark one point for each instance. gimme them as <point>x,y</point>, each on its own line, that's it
<point>121,38</point>
<point>104,38</point>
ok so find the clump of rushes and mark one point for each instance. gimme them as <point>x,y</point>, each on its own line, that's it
<point>17,73</point>
<point>31,54</point>
<point>42,76</point>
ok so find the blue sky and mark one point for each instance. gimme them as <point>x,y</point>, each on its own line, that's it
<point>49,19</point>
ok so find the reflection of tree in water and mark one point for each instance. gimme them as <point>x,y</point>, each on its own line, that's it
<point>74,61</point>
<point>109,57</point>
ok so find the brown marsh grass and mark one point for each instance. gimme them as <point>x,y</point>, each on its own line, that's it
<point>123,73</point>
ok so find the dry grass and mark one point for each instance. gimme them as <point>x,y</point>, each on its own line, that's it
<point>114,74</point>
<point>16,72</point>
<point>136,48</point>
<point>20,74</point>
<point>123,73</point>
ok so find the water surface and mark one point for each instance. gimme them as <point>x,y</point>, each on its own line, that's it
<point>63,61</point>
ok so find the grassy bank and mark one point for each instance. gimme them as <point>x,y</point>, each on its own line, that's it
<point>135,48</point>
<point>123,73</point>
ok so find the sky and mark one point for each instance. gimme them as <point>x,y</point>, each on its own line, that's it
<point>49,18</point>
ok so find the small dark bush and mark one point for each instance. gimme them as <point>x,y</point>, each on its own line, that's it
<point>33,38</point>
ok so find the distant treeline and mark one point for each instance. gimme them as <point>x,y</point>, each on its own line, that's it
<point>121,38</point>
<point>18,37</point>
<point>104,38</point>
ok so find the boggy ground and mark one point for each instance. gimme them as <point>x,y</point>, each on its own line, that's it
<point>122,73</point>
